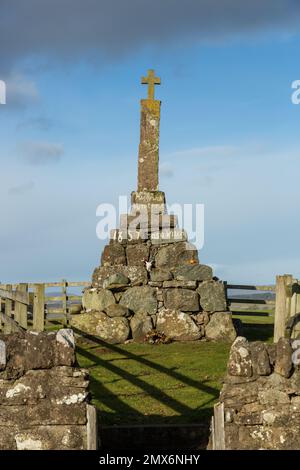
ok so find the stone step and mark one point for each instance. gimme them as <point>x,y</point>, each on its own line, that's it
<point>145,221</point>
<point>162,236</point>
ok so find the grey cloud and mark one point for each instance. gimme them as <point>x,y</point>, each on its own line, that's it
<point>41,153</point>
<point>21,188</point>
<point>77,29</point>
<point>21,91</point>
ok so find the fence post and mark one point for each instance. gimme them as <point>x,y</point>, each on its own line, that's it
<point>92,428</point>
<point>8,311</point>
<point>218,427</point>
<point>21,309</point>
<point>64,301</point>
<point>39,307</point>
<point>8,302</point>
<point>282,306</point>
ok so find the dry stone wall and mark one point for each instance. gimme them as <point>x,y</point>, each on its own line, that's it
<point>43,395</point>
<point>261,396</point>
<point>154,284</point>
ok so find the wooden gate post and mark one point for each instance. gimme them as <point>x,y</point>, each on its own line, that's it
<point>39,307</point>
<point>20,308</point>
<point>92,428</point>
<point>218,427</point>
<point>282,305</point>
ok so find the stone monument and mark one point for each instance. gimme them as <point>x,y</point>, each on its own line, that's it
<point>149,280</point>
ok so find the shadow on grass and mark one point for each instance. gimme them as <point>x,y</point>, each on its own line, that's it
<point>119,408</point>
<point>257,332</point>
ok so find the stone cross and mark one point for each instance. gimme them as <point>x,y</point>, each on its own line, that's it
<point>151,80</point>
<point>149,137</point>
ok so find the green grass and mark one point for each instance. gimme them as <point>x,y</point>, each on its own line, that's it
<point>141,383</point>
<point>163,384</point>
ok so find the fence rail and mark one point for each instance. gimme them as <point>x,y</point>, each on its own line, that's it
<point>33,305</point>
<point>240,302</point>
<point>28,306</point>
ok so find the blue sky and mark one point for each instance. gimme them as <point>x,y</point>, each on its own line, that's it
<point>229,136</point>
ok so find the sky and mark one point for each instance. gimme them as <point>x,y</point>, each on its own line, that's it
<point>69,130</point>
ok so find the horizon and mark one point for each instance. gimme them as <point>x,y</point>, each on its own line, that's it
<point>70,130</point>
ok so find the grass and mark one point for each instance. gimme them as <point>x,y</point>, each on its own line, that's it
<point>175,383</point>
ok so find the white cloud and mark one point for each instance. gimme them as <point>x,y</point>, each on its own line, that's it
<point>218,151</point>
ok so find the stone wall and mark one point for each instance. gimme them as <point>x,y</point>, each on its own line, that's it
<point>43,396</point>
<point>261,396</point>
<point>176,296</point>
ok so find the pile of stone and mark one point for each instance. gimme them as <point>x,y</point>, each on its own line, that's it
<point>43,396</point>
<point>261,396</point>
<point>150,277</point>
<point>150,283</point>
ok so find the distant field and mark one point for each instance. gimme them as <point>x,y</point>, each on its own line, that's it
<point>174,383</point>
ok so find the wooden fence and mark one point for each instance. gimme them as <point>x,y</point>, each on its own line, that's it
<point>30,306</point>
<point>287,311</point>
<point>248,305</point>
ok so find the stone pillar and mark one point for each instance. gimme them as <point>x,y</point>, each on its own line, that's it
<point>149,146</point>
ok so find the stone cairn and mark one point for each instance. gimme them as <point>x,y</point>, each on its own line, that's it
<point>43,395</point>
<point>150,280</point>
<point>260,399</point>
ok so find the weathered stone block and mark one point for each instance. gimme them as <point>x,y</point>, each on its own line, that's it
<point>113,254</point>
<point>113,330</point>
<point>197,272</point>
<point>177,325</point>
<point>220,327</point>
<point>273,397</point>
<point>159,275</point>
<point>136,274</point>
<point>52,438</point>
<point>283,363</point>
<point>240,363</point>
<point>45,413</point>
<point>116,282</point>
<point>266,437</point>
<point>21,353</point>
<point>140,325</point>
<point>250,415</point>
<point>175,254</point>
<point>148,198</point>
<point>212,296</point>
<point>117,310</point>
<point>38,385</point>
<point>140,299</point>
<point>240,395</point>
<point>97,299</point>
<point>185,300</point>
<point>184,284</point>
<point>260,358</point>
<point>137,254</point>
